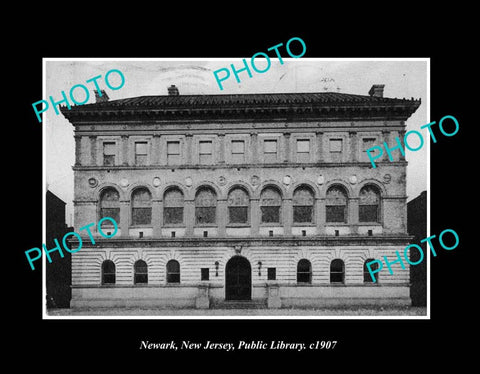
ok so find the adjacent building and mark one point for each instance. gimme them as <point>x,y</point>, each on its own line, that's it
<point>417,227</point>
<point>58,272</point>
<point>263,198</point>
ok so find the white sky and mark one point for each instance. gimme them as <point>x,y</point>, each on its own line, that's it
<point>402,79</point>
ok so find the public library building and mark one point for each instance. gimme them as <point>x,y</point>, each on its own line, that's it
<point>264,199</point>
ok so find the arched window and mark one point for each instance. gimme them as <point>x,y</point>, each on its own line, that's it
<point>205,206</point>
<point>238,206</point>
<point>141,207</point>
<point>336,204</point>
<point>367,278</point>
<point>173,204</point>
<point>173,271</point>
<point>304,271</point>
<point>337,271</point>
<point>303,202</point>
<point>140,271</point>
<point>270,205</point>
<point>110,204</point>
<point>369,204</point>
<point>108,272</point>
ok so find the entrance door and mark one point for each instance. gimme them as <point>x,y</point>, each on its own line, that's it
<point>238,279</point>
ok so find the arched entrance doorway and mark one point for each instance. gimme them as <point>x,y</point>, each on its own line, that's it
<point>238,279</point>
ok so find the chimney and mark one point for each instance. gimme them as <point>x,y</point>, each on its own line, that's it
<point>101,99</point>
<point>173,90</point>
<point>376,90</point>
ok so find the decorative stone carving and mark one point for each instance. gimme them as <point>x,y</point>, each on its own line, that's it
<point>92,182</point>
<point>255,180</point>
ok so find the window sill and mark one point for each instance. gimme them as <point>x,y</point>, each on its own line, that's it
<point>238,225</point>
<point>174,226</point>
<point>205,225</point>
<point>307,224</point>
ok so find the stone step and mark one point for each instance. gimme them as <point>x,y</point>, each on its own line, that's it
<point>240,304</point>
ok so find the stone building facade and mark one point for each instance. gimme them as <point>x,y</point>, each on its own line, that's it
<point>264,198</point>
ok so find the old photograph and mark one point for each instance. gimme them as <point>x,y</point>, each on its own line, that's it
<point>216,188</point>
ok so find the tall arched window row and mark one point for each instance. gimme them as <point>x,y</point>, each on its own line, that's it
<point>369,204</point>
<point>337,271</point>
<point>141,206</point>
<point>336,204</point>
<point>173,271</point>
<point>140,271</point>
<point>303,205</point>
<point>270,205</point>
<point>304,271</point>
<point>110,204</point>
<point>173,202</point>
<point>238,206</point>
<point>205,206</point>
<point>108,272</point>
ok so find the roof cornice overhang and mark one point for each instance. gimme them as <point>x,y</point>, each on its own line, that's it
<point>398,111</point>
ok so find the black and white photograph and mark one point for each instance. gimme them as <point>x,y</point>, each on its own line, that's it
<point>236,188</point>
<point>245,196</point>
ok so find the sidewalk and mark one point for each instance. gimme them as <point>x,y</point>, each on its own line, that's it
<point>230,313</point>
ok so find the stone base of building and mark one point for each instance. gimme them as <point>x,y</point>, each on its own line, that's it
<point>269,296</point>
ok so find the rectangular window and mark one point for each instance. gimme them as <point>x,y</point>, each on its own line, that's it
<point>303,214</point>
<point>173,277</point>
<point>141,216</point>
<point>238,214</point>
<point>368,213</point>
<point>109,154</point>
<point>238,151</point>
<point>367,143</point>
<point>303,150</point>
<point>205,274</point>
<point>205,152</point>
<point>141,153</point>
<point>173,153</point>
<point>140,277</point>
<point>205,215</point>
<point>304,277</point>
<point>270,150</point>
<point>335,213</point>
<point>271,274</point>
<point>270,214</point>
<point>112,213</point>
<point>336,147</point>
<point>172,215</point>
